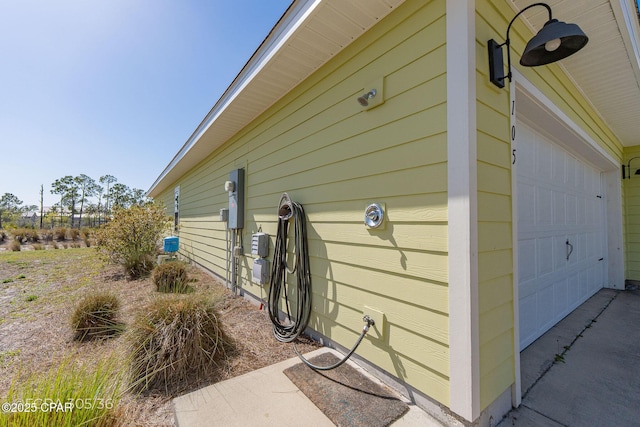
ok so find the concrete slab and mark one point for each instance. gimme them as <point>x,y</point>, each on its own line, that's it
<point>527,417</point>
<point>598,384</point>
<point>266,397</point>
<point>537,358</point>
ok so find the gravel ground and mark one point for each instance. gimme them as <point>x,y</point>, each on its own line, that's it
<point>38,293</point>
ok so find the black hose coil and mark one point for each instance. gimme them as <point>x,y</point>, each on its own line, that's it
<point>294,324</point>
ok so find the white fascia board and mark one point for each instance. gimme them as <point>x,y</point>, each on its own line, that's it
<point>627,17</point>
<point>464,347</point>
<point>280,34</point>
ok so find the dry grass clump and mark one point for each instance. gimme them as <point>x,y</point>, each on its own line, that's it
<point>96,317</point>
<point>74,233</point>
<point>47,235</point>
<point>25,235</point>
<point>91,396</point>
<point>177,339</point>
<point>14,246</point>
<point>170,277</point>
<point>60,234</point>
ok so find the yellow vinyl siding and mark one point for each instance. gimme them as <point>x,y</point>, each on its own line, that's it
<point>631,209</point>
<point>494,182</point>
<point>318,145</point>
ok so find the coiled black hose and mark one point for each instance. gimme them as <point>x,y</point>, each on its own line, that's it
<point>294,324</point>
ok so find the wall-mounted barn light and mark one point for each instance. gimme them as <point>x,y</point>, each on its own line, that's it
<point>364,99</point>
<point>555,41</point>
<point>627,169</point>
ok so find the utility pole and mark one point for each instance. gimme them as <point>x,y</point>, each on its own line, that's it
<point>41,204</point>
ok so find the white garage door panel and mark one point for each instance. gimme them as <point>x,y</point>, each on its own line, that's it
<point>558,201</point>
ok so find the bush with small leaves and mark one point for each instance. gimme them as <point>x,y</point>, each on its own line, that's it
<point>170,276</point>
<point>176,339</point>
<point>132,237</point>
<point>96,316</point>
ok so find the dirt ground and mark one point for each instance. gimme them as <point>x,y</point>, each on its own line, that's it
<point>38,293</point>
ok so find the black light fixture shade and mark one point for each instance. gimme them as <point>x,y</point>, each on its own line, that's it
<point>555,41</point>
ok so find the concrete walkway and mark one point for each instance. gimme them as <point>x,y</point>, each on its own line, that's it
<point>586,370</point>
<point>266,397</point>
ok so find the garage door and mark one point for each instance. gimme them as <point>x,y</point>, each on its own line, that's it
<point>560,233</point>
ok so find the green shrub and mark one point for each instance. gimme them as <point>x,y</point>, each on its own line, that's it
<point>131,238</point>
<point>60,234</point>
<point>96,317</point>
<point>15,246</point>
<point>176,339</point>
<point>91,397</point>
<point>170,277</point>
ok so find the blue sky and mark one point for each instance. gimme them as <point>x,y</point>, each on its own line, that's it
<point>114,87</point>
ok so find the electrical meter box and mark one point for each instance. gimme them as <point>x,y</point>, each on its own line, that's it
<point>260,271</point>
<point>235,187</point>
<point>171,244</point>
<point>260,245</point>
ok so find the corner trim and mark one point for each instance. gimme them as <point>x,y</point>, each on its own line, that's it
<point>464,342</point>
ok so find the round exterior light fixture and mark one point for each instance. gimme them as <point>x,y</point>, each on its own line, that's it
<point>555,41</point>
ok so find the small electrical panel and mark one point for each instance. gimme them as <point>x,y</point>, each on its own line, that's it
<point>260,271</point>
<point>260,245</point>
<point>235,187</point>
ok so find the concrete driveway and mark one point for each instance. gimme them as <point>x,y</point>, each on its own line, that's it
<point>586,370</point>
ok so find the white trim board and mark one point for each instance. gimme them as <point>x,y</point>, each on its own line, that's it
<point>464,341</point>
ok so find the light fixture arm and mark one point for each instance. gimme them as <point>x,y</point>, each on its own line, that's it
<point>508,41</point>
<point>628,168</point>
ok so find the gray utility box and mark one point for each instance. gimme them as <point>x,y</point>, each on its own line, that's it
<point>236,200</point>
<point>260,271</point>
<point>260,245</point>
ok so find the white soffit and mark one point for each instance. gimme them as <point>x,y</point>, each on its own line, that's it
<point>607,70</point>
<point>308,35</point>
